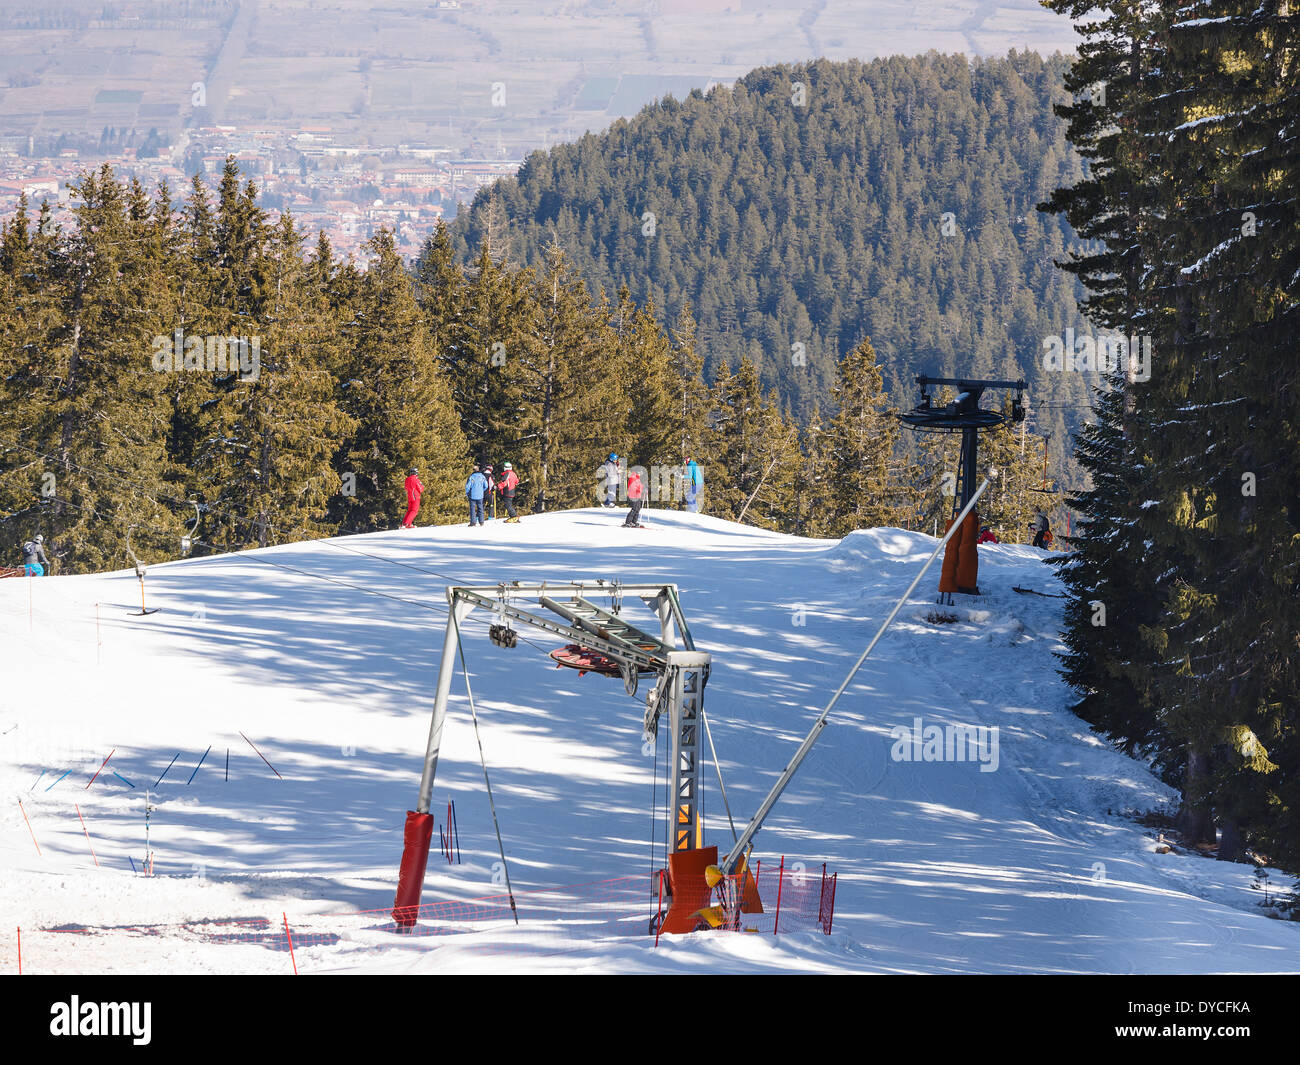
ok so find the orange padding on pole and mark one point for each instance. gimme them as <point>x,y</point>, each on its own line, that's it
<point>948,572</point>
<point>415,857</point>
<point>968,562</point>
<point>690,891</point>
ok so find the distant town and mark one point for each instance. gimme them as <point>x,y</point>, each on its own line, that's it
<point>326,181</point>
<point>353,117</point>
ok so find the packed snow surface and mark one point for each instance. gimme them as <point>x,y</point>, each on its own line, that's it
<point>324,655</point>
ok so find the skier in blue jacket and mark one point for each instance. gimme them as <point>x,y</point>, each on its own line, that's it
<point>475,489</point>
<point>694,483</point>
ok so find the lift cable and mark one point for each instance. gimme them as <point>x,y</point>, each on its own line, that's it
<point>483,762</point>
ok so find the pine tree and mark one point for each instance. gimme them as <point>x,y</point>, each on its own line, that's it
<point>1017,495</point>
<point>569,365</point>
<point>86,399</point>
<point>854,452</point>
<point>1226,305</point>
<point>274,478</point>
<point>648,386</point>
<point>400,402</point>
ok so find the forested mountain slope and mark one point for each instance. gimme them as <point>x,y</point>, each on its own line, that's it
<point>815,204</point>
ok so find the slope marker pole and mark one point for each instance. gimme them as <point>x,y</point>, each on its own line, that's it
<point>260,755</point>
<point>290,939</point>
<point>29,828</point>
<point>196,768</point>
<point>65,773</point>
<point>100,769</point>
<point>83,829</point>
<point>164,772</point>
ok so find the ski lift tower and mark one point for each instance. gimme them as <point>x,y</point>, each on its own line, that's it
<point>599,641</point>
<point>960,572</point>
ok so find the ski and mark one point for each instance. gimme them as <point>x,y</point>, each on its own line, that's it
<point>1032,591</point>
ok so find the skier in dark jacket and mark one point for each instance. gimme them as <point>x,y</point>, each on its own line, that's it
<point>490,500</point>
<point>34,560</point>
<point>1042,532</point>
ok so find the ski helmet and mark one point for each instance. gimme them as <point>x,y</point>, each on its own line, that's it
<point>38,539</point>
<point>507,466</point>
<point>412,472</point>
<point>613,457</point>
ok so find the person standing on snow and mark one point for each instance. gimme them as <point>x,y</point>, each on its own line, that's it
<point>608,475</point>
<point>490,499</point>
<point>694,485</point>
<point>1042,532</point>
<point>475,490</point>
<point>34,560</point>
<point>986,536</point>
<point>414,489</point>
<point>635,491</point>
<point>506,488</point>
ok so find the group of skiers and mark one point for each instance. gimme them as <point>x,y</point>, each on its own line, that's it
<point>1041,528</point>
<point>483,489</point>
<point>609,476</point>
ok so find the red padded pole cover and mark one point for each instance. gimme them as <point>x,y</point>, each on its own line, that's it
<point>968,560</point>
<point>415,856</point>
<point>948,568</point>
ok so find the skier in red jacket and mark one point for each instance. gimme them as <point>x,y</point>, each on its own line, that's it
<point>414,489</point>
<point>506,490</point>
<point>987,536</point>
<point>635,491</point>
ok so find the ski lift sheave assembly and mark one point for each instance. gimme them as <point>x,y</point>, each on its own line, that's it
<point>600,641</point>
<point>960,570</point>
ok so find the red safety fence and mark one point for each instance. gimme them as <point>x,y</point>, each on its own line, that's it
<point>534,921</point>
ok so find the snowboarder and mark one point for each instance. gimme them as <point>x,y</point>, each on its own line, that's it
<point>694,484</point>
<point>414,489</point>
<point>608,476</point>
<point>987,536</point>
<point>34,560</point>
<point>635,491</point>
<point>506,488</point>
<point>1042,532</point>
<point>475,489</point>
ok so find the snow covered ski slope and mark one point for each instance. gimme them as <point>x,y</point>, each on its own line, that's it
<point>323,655</point>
